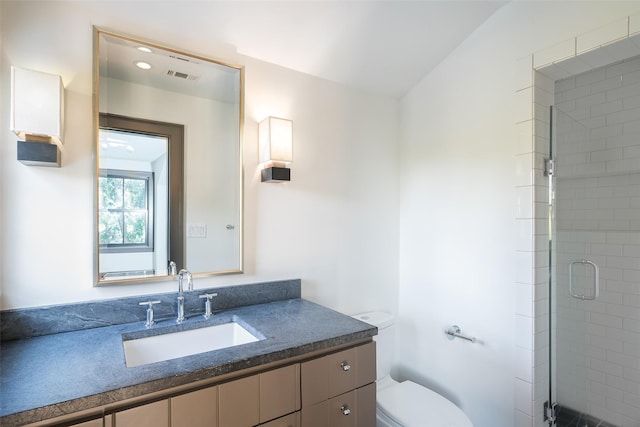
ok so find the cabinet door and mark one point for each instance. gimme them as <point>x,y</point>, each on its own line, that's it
<point>92,423</point>
<point>366,364</point>
<point>279,392</point>
<point>315,381</point>
<point>154,414</point>
<point>315,415</point>
<point>365,409</point>
<point>291,420</point>
<point>239,402</point>
<point>195,409</point>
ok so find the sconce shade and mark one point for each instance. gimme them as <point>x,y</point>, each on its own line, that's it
<point>36,105</point>
<point>275,138</point>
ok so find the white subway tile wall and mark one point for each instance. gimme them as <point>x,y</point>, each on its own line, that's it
<point>603,35</point>
<point>597,213</point>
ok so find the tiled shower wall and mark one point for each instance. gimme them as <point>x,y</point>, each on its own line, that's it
<point>536,76</point>
<point>597,217</point>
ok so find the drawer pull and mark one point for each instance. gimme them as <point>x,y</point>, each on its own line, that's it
<point>345,410</point>
<point>345,366</point>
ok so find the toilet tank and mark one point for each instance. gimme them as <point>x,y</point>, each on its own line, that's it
<point>384,340</point>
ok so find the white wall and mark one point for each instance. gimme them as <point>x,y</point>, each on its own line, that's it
<point>334,225</point>
<point>458,231</point>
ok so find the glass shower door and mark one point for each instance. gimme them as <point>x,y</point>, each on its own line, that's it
<point>570,232</point>
<point>594,274</point>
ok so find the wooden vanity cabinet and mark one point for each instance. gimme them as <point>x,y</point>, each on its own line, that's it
<point>246,402</point>
<point>334,390</point>
<point>339,389</point>
<point>195,409</point>
<point>154,414</point>
<point>240,402</point>
<point>261,398</point>
<point>291,420</point>
<point>279,392</point>
<point>92,423</point>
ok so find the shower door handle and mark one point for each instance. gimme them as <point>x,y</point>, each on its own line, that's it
<point>596,280</point>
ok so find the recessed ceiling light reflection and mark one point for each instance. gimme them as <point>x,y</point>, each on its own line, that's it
<point>143,65</point>
<point>144,49</point>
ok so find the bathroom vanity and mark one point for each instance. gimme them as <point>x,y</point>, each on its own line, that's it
<point>310,367</point>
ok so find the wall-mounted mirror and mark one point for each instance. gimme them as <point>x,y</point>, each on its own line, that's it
<point>168,161</point>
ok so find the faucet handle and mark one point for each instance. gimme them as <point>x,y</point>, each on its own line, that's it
<point>207,304</point>
<point>149,305</point>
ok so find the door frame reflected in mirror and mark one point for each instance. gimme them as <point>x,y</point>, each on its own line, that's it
<point>174,133</point>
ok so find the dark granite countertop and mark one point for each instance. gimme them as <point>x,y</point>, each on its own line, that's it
<point>52,375</point>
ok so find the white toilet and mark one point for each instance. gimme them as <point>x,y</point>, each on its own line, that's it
<point>406,404</point>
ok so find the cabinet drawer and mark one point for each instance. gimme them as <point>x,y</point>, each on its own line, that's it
<point>337,373</point>
<point>342,410</point>
<point>356,408</point>
<point>366,406</point>
<point>342,373</point>
<point>279,392</point>
<point>239,402</point>
<point>195,409</point>
<point>154,414</point>
<point>339,411</point>
<point>291,420</point>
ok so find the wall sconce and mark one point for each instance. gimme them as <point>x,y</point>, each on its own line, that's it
<point>37,116</point>
<point>275,139</point>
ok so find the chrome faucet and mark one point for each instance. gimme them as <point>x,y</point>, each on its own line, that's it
<point>172,269</point>
<point>181,274</point>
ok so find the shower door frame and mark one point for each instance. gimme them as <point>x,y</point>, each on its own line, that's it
<point>551,405</point>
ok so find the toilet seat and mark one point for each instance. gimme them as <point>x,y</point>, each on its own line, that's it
<point>411,405</point>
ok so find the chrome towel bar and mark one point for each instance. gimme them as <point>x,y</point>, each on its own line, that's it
<point>454,332</point>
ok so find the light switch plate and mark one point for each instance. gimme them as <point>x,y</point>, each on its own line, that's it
<point>197,230</point>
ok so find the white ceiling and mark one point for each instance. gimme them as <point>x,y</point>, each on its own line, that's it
<point>383,47</point>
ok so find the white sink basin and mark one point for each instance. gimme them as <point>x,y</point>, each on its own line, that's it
<point>157,348</point>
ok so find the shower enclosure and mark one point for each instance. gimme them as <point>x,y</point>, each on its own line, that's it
<point>594,227</point>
